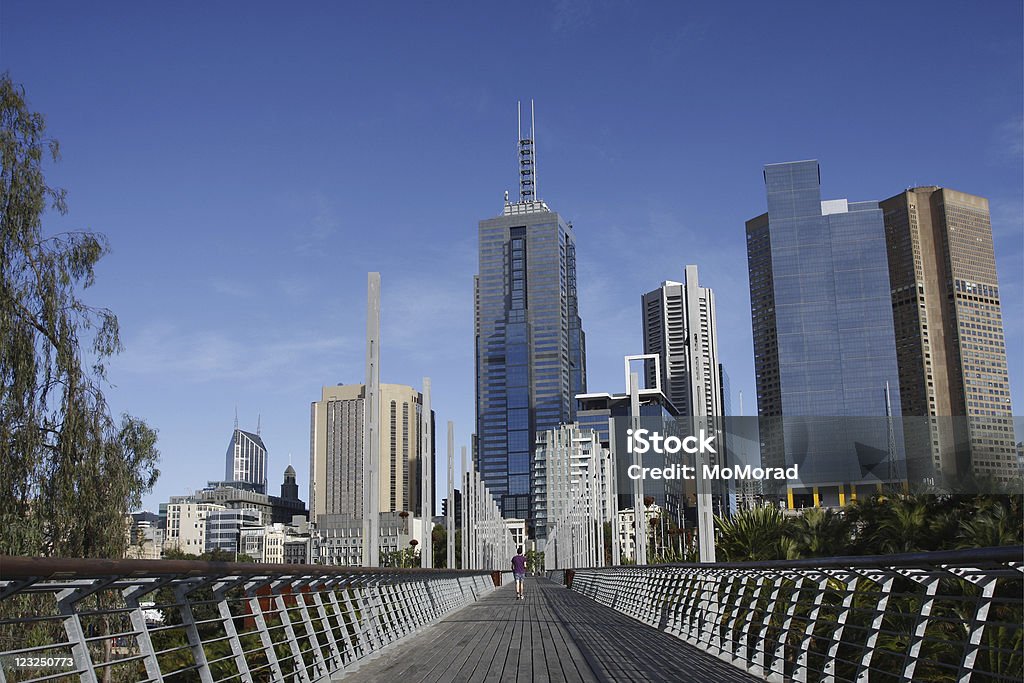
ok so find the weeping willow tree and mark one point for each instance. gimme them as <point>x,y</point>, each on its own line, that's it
<point>69,471</point>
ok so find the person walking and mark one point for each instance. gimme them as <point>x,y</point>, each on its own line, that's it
<point>519,571</point>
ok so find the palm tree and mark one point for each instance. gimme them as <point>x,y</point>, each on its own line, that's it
<point>992,523</point>
<point>902,523</point>
<point>752,534</point>
<point>819,532</point>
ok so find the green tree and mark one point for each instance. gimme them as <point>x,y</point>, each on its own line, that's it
<point>534,561</point>
<point>753,534</point>
<point>438,538</point>
<point>71,472</point>
<point>992,521</point>
<point>216,555</point>
<point>902,523</point>
<point>819,532</point>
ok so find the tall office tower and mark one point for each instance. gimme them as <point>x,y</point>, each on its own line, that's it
<point>336,450</point>
<point>679,326</point>
<point>949,329</point>
<point>823,338</point>
<point>530,355</point>
<point>246,459</point>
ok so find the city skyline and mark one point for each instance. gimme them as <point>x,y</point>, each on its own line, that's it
<point>285,181</point>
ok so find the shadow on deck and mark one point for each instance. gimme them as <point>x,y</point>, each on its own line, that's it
<point>552,635</point>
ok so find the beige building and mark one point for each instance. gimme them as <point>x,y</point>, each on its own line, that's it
<point>264,544</point>
<point>186,526</point>
<point>336,450</point>
<point>145,540</point>
<point>949,332</point>
<point>339,538</point>
<point>627,532</point>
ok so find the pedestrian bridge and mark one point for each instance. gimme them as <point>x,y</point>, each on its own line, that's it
<point>951,616</point>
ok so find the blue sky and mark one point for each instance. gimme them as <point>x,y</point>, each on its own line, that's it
<point>250,162</point>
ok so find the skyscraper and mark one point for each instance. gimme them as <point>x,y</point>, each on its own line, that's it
<point>336,450</point>
<point>246,460</point>
<point>949,329</point>
<point>530,356</point>
<point>679,325</point>
<point>823,337</point>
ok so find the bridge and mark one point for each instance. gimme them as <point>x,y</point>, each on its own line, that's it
<point>945,616</point>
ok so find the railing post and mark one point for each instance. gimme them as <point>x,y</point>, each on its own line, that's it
<point>255,591</point>
<point>800,670</point>
<point>340,614</point>
<point>76,635</point>
<point>741,646</point>
<point>977,628</point>
<point>884,581</point>
<point>369,609</point>
<point>195,642</point>
<point>281,590</point>
<point>307,623</point>
<point>321,610</point>
<point>138,621</point>
<point>228,622</point>
<point>760,665</point>
<point>850,580</point>
<point>787,623</point>
<point>913,652</point>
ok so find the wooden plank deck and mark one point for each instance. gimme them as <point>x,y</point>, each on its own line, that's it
<point>553,636</point>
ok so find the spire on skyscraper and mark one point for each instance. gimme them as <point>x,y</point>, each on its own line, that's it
<point>527,158</point>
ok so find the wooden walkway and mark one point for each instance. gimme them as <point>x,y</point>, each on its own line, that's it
<point>553,635</point>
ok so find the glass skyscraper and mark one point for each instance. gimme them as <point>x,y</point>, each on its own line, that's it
<point>246,460</point>
<point>823,337</point>
<point>530,357</point>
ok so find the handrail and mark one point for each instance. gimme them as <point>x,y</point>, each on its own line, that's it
<point>935,557</point>
<point>947,615</point>
<point>151,620</point>
<point>17,567</point>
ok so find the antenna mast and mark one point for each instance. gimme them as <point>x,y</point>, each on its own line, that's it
<point>533,136</point>
<point>527,172</point>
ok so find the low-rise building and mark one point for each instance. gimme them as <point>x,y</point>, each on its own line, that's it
<point>145,537</point>
<point>186,525</point>
<point>338,539</point>
<point>270,544</point>
<point>627,540</point>
<point>224,526</point>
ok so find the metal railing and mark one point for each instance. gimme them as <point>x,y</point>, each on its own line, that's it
<point>940,616</point>
<point>173,620</point>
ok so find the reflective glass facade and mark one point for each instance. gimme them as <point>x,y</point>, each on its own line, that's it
<point>246,460</point>
<point>822,322</point>
<point>530,358</point>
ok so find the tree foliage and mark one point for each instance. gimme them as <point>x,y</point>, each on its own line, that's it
<point>880,525</point>
<point>753,534</point>
<point>71,472</point>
